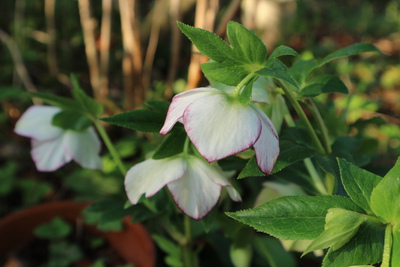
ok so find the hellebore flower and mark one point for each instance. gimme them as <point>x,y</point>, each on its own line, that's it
<point>219,126</point>
<point>194,184</point>
<point>52,147</point>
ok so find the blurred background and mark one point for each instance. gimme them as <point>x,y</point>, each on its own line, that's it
<point>125,52</point>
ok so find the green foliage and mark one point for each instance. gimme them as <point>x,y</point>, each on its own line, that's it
<point>55,229</point>
<point>290,152</point>
<point>86,104</point>
<point>172,250</point>
<point>144,120</point>
<point>71,120</point>
<point>293,217</point>
<point>172,145</point>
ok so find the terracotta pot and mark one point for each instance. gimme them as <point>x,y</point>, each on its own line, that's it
<point>133,243</point>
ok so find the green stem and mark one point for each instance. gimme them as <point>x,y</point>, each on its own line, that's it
<point>110,146</point>
<point>321,126</point>
<point>187,253</point>
<point>302,116</point>
<point>316,179</point>
<point>242,83</point>
<point>387,247</point>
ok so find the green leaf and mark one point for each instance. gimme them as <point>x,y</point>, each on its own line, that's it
<point>246,46</point>
<point>172,250</point>
<point>87,104</point>
<point>293,217</point>
<point>141,120</point>
<point>246,93</point>
<point>276,69</point>
<point>358,183</point>
<point>71,120</point>
<point>172,145</point>
<point>208,43</point>
<point>366,247</point>
<point>55,229</point>
<point>272,251</point>
<point>340,226</point>
<point>159,106</point>
<point>290,152</point>
<point>230,64</point>
<point>10,93</point>
<point>324,84</point>
<point>224,72</point>
<point>385,197</point>
<point>351,50</point>
<point>283,50</point>
<point>301,69</point>
<point>58,101</point>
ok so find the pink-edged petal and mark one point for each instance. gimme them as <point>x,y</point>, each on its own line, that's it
<point>179,104</point>
<point>36,123</point>
<point>267,146</point>
<point>49,155</point>
<point>151,175</point>
<point>233,194</point>
<point>195,193</point>
<point>84,148</point>
<point>219,127</point>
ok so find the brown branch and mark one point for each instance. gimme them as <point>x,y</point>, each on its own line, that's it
<point>88,26</point>
<point>104,47</point>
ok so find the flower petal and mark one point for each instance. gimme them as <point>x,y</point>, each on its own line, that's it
<point>36,123</point>
<point>195,193</point>
<point>179,104</point>
<point>220,128</point>
<point>49,155</point>
<point>84,148</point>
<point>233,194</point>
<point>267,146</point>
<point>260,92</point>
<point>151,175</point>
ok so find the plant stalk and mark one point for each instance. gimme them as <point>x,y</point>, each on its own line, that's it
<point>110,146</point>
<point>387,247</point>
<point>188,256</point>
<point>243,83</point>
<point>321,126</point>
<point>302,116</point>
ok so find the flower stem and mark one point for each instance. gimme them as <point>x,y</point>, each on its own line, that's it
<point>302,116</point>
<point>387,247</point>
<point>316,179</point>
<point>110,146</point>
<point>243,83</point>
<point>187,251</point>
<point>321,126</point>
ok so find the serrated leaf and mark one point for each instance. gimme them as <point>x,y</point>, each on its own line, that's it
<point>324,84</point>
<point>351,50</point>
<point>293,217</point>
<point>340,226</point>
<point>87,104</point>
<point>224,72</point>
<point>230,64</point>
<point>276,69</point>
<point>290,152</point>
<point>366,247</point>
<point>141,120</point>
<point>245,44</point>
<point>172,145</point>
<point>159,106</point>
<point>208,43</point>
<point>55,229</point>
<point>358,183</point>
<point>385,197</point>
<point>283,50</point>
<point>71,120</point>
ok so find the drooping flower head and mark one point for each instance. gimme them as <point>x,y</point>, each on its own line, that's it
<point>52,146</point>
<point>220,126</point>
<point>194,184</point>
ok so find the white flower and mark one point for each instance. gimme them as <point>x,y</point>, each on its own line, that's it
<point>52,147</point>
<point>219,126</point>
<point>194,184</point>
